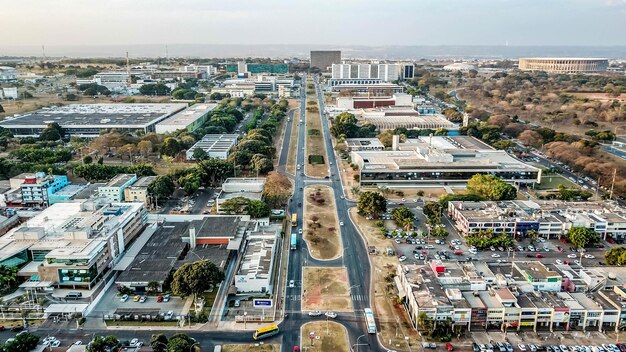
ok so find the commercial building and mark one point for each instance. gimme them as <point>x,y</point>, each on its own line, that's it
<point>381,72</point>
<point>363,144</point>
<point>113,80</point>
<point>439,160</point>
<point>256,270</point>
<point>38,189</point>
<point>393,117</point>
<point>72,245</point>
<point>563,65</point>
<point>246,187</point>
<point>177,75</point>
<point>8,93</point>
<point>89,120</point>
<point>368,102</point>
<point>408,71</point>
<point>257,68</point>
<point>8,73</point>
<point>114,189</point>
<point>372,89</point>
<point>551,219</point>
<point>138,191</point>
<point>324,59</point>
<point>189,119</point>
<point>214,145</point>
<point>459,67</point>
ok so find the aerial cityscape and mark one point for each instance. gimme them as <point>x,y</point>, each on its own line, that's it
<point>328,176</point>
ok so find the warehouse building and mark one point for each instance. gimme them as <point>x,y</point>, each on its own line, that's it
<point>189,119</point>
<point>215,145</point>
<point>89,120</point>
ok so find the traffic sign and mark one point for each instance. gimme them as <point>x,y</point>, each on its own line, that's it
<point>262,303</point>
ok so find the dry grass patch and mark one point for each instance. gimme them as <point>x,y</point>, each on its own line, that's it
<point>325,289</point>
<point>332,337</point>
<point>321,227</point>
<point>392,319</point>
<point>257,347</point>
<point>315,145</point>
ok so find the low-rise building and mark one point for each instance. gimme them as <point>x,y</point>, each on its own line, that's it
<point>114,189</point>
<point>39,189</point>
<point>255,273</point>
<point>214,145</point>
<point>8,73</point>
<point>189,119</point>
<point>138,191</point>
<point>362,144</point>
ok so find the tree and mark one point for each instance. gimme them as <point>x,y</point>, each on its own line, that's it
<point>88,159</point>
<point>181,343</point>
<point>237,205</point>
<point>190,183</point>
<point>1,108</point>
<point>53,132</point>
<point>8,278</point>
<point>403,217</point>
<point>199,154</point>
<point>530,138</point>
<point>153,286</point>
<point>171,147</point>
<point>103,344</point>
<point>145,148</point>
<point>154,89</point>
<point>162,187</point>
<point>261,164</point>
<point>24,342</point>
<point>158,342</point>
<point>582,237</point>
<point>615,256</point>
<point>195,278</point>
<point>277,190</point>
<point>128,149</point>
<point>491,187</point>
<point>344,124</point>
<point>258,209</point>
<point>371,204</point>
<point>432,210</point>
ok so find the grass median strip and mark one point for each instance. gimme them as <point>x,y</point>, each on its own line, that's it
<point>321,227</point>
<point>325,289</point>
<point>327,336</point>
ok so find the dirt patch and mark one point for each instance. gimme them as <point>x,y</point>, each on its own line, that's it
<point>598,96</point>
<point>321,227</point>
<point>315,145</point>
<point>329,336</point>
<point>392,318</point>
<point>293,143</point>
<point>257,347</point>
<point>325,289</point>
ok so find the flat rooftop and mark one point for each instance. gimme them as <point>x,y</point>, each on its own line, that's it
<point>257,258</point>
<point>143,182</point>
<point>364,142</point>
<point>70,190</point>
<point>88,191</point>
<point>95,115</point>
<point>120,180</point>
<point>216,142</point>
<point>189,115</point>
<point>535,270</point>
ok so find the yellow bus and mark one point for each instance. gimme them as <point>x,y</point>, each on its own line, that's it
<point>265,332</point>
<point>294,219</point>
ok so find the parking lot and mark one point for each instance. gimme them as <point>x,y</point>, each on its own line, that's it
<point>111,302</point>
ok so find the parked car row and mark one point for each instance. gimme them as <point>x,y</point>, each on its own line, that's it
<point>507,347</point>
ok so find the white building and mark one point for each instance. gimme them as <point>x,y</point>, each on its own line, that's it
<point>8,73</point>
<point>215,145</point>
<point>383,72</point>
<point>459,66</point>
<point>8,93</point>
<point>189,119</point>
<point>114,189</point>
<point>256,269</point>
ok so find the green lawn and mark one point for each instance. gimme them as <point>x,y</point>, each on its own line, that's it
<point>553,182</point>
<point>141,323</point>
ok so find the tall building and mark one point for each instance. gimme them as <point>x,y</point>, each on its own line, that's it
<point>408,71</point>
<point>324,59</point>
<point>358,71</point>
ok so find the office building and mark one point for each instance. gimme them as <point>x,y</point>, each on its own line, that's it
<point>367,102</point>
<point>71,245</point>
<point>8,92</point>
<point>551,219</point>
<point>408,71</point>
<point>439,160</point>
<point>256,269</point>
<point>324,59</point>
<point>114,189</point>
<point>356,71</point>
<point>242,68</point>
<point>362,144</point>
<point>371,89</point>
<point>214,145</point>
<point>138,191</point>
<point>89,120</point>
<point>8,73</point>
<point>38,189</point>
<point>563,65</point>
<point>189,119</point>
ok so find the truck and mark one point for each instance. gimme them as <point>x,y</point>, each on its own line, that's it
<point>294,241</point>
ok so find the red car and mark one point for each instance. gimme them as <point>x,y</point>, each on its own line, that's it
<point>538,255</point>
<point>449,346</point>
<point>160,299</point>
<point>296,349</point>
<point>458,252</point>
<point>559,248</point>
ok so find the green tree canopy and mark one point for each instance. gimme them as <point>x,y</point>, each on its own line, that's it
<point>53,132</point>
<point>199,154</point>
<point>24,342</point>
<point>615,256</point>
<point>162,187</point>
<point>582,237</point>
<point>491,187</point>
<point>171,147</point>
<point>258,209</point>
<point>103,344</point>
<point>158,342</point>
<point>237,205</point>
<point>371,204</point>
<point>182,343</point>
<point>195,278</point>
<point>403,217</point>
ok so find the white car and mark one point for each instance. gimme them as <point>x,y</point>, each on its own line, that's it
<point>495,255</point>
<point>331,315</point>
<point>136,340</point>
<point>558,261</point>
<point>315,313</point>
<point>545,248</point>
<point>522,347</point>
<point>143,299</point>
<point>340,223</point>
<point>55,343</point>
<point>589,256</point>
<point>300,231</point>
<point>123,299</point>
<point>473,250</point>
<point>292,283</point>
<point>169,315</point>
<point>492,248</point>
<point>78,343</point>
<point>571,255</point>
<point>402,258</point>
<point>49,339</point>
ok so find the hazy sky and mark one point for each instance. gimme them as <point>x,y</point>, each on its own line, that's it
<point>336,22</point>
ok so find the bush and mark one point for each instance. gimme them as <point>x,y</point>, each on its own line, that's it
<point>316,159</point>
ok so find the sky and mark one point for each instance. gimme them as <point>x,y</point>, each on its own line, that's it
<point>317,22</point>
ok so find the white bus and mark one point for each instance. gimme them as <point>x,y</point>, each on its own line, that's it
<point>369,321</point>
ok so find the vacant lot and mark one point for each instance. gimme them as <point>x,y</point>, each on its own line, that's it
<point>392,318</point>
<point>293,143</point>
<point>315,147</point>
<point>325,289</point>
<point>251,348</point>
<point>321,227</point>
<point>329,336</point>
